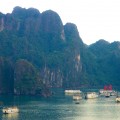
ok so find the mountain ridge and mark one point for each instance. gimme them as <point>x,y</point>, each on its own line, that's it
<point>56,53</point>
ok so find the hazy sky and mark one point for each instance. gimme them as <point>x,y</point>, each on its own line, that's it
<point>95,19</point>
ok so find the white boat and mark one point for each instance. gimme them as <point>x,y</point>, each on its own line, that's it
<point>108,89</point>
<point>77,97</point>
<point>9,110</point>
<point>117,99</point>
<point>102,91</point>
<point>72,91</point>
<point>91,95</point>
<point>107,94</point>
<point>114,93</point>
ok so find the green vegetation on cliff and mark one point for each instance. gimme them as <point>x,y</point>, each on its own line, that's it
<point>37,51</point>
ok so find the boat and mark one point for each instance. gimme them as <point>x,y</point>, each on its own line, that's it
<point>107,89</point>
<point>91,95</point>
<point>9,110</point>
<point>72,91</point>
<point>77,97</point>
<point>113,93</point>
<point>103,92</point>
<point>118,99</point>
<point>107,94</point>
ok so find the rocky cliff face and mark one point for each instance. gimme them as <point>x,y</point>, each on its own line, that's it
<point>65,65</point>
<point>7,22</point>
<point>73,56</point>
<point>26,21</point>
<point>52,24</point>
<point>6,76</point>
<point>25,78</point>
<point>42,40</point>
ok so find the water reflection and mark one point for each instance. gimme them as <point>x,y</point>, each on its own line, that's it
<point>13,116</point>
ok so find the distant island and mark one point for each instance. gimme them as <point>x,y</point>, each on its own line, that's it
<point>38,52</point>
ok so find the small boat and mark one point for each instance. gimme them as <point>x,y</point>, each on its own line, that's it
<point>9,110</point>
<point>72,91</point>
<point>107,94</point>
<point>91,95</point>
<point>77,97</point>
<point>103,92</point>
<point>107,89</point>
<point>113,93</point>
<point>117,99</point>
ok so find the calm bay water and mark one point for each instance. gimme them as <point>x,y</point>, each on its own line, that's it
<point>61,107</point>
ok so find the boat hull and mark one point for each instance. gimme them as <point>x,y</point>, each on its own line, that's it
<point>77,97</point>
<point>10,110</point>
<point>91,95</point>
<point>118,99</point>
<point>72,91</point>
